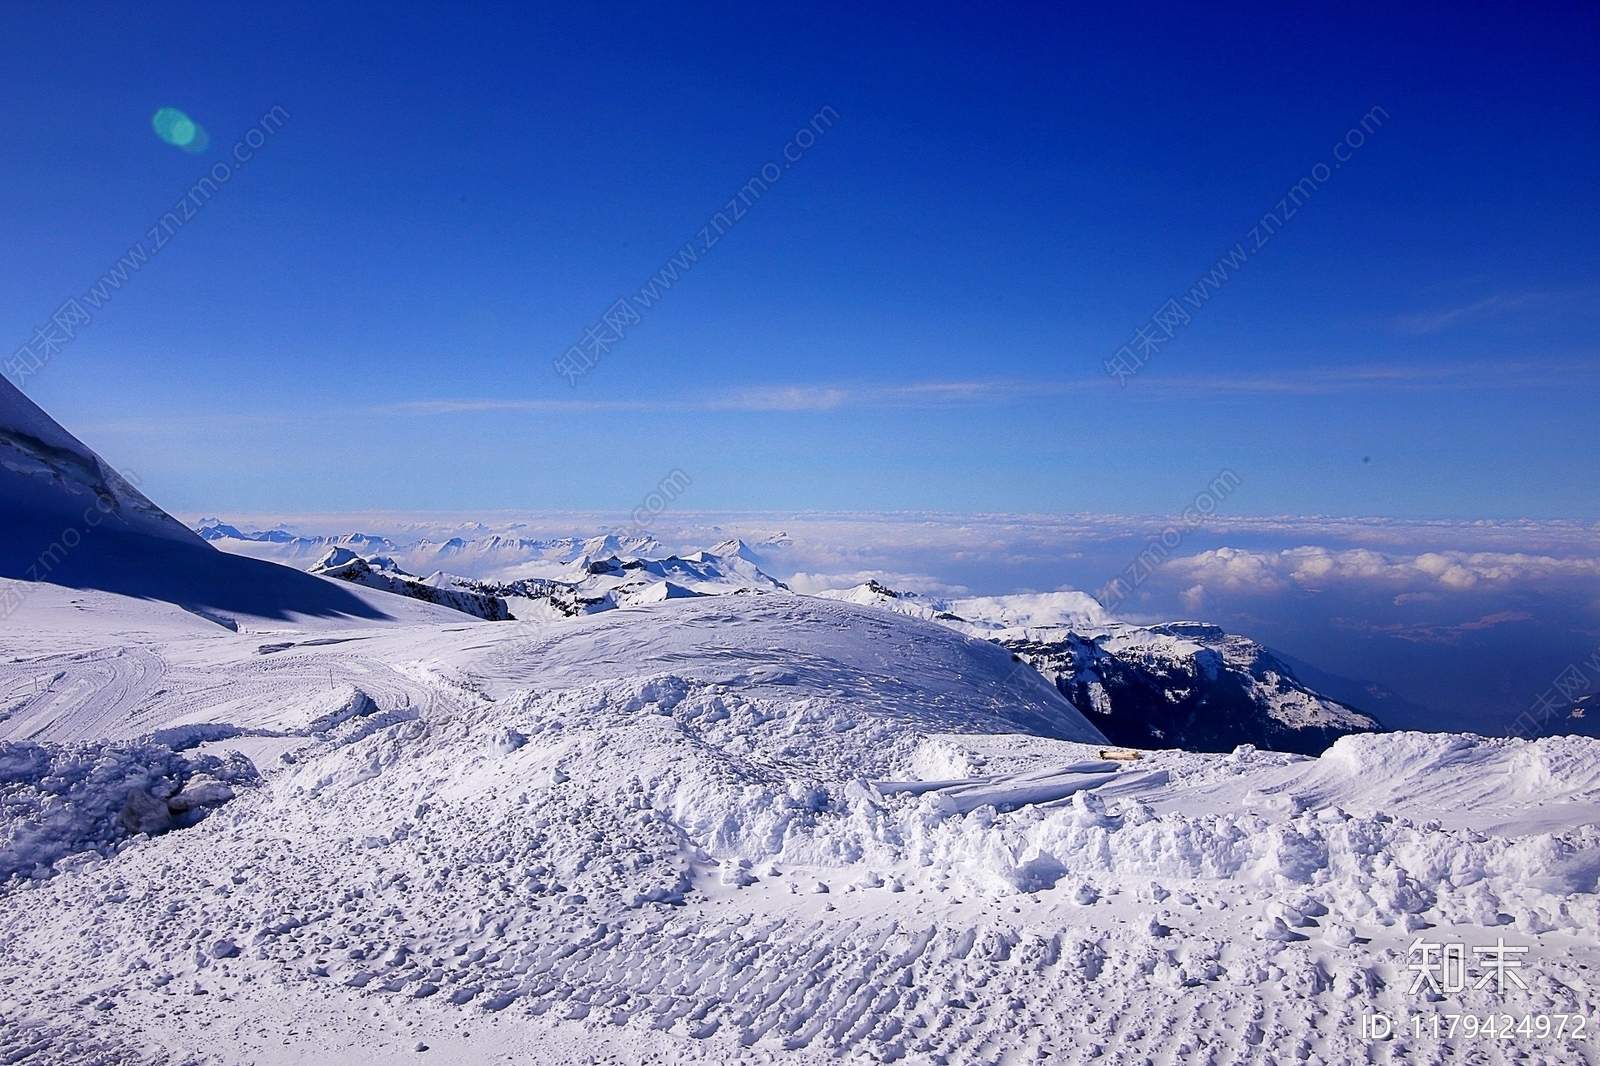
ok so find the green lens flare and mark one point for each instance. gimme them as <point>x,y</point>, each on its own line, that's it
<point>173,126</point>
<point>179,130</point>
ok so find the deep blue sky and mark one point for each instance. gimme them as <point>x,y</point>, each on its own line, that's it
<point>1006,196</point>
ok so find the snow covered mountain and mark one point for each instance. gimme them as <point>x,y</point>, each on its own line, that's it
<point>585,585</point>
<point>381,573</point>
<point>1185,684</point>
<point>1188,685</point>
<point>597,584</point>
<point>71,519</point>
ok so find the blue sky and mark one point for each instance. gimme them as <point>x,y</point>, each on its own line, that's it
<point>916,316</point>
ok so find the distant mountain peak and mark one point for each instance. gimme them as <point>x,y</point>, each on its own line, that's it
<point>733,547</point>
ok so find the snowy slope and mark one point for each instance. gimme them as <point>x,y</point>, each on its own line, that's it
<point>70,519</point>
<point>756,829</point>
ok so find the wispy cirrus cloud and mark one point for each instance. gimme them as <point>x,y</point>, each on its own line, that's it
<point>822,398</point>
<point>755,399</point>
<point>487,404</point>
<point>775,397</point>
<point>1498,375</point>
<point>915,394</point>
<point>1428,322</point>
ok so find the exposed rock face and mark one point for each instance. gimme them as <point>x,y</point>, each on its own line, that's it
<point>1187,685</point>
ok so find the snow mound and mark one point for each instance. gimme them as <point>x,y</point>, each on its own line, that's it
<point>855,665</point>
<point>309,714</point>
<point>1445,775</point>
<point>66,804</point>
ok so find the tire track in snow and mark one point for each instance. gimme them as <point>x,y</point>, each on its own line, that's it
<point>79,696</point>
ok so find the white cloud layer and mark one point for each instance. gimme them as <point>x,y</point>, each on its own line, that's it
<point>1312,567</point>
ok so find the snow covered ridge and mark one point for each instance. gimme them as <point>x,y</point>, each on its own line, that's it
<point>55,473</point>
<point>381,573</point>
<point>70,520</point>
<point>1186,684</point>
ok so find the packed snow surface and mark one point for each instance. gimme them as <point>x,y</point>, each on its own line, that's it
<point>757,827</point>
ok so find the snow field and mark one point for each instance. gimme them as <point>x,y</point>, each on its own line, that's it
<point>776,830</point>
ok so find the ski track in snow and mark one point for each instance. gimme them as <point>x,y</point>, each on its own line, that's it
<point>752,829</point>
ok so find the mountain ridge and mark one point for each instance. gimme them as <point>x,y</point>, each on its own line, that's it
<point>1189,685</point>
